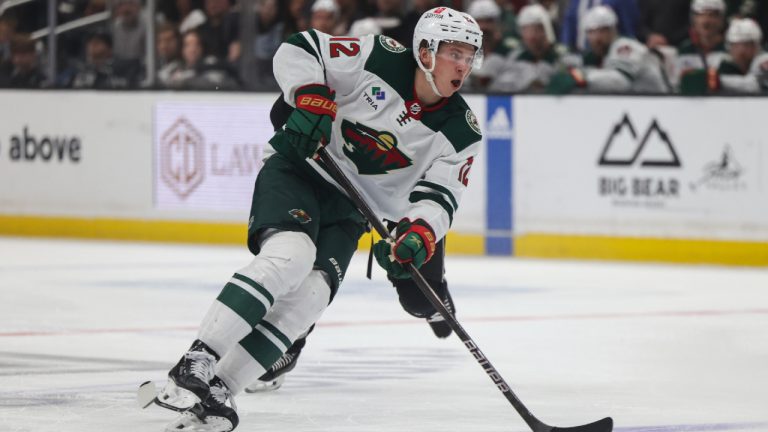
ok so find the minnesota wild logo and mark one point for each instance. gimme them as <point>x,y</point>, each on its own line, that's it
<point>372,151</point>
<point>300,215</point>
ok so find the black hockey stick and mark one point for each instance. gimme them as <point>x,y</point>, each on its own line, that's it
<point>536,425</point>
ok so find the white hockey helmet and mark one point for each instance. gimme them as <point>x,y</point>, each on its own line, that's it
<point>445,25</point>
<point>699,6</point>
<point>484,9</point>
<point>536,14</point>
<point>744,30</point>
<point>600,17</point>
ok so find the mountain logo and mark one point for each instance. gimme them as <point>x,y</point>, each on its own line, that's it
<point>624,147</point>
<point>372,151</point>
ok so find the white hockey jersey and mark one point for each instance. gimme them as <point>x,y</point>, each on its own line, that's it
<point>628,67</point>
<point>406,160</point>
<point>755,81</point>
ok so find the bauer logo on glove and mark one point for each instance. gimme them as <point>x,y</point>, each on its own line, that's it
<point>415,244</point>
<point>309,126</point>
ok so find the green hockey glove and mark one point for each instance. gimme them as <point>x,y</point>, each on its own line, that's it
<point>564,82</point>
<point>309,125</point>
<point>698,82</point>
<point>415,244</point>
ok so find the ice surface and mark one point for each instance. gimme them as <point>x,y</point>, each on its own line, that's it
<point>658,347</point>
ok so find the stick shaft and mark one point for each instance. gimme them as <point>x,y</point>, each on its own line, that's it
<point>535,424</point>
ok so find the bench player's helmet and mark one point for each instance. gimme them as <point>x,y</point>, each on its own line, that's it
<point>743,30</point>
<point>445,25</point>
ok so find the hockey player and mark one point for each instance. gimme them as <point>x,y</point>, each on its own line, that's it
<point>699,56</point>
<point>412,300</point>
<point>613,64</point>
<point>745,70</point>
<point>529,67</point>
<point>395,123</point>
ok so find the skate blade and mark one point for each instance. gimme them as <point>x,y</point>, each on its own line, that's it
<point>176,398</point>
<point>266,386</point>
<point>172,397</point>
<point>189,422</point>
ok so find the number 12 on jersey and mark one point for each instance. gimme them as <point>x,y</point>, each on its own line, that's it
<point>349,46</point>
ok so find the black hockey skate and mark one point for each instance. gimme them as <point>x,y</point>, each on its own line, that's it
<point>274,378</point>
<point>212,415</point>
<point>436,321</point>
<point>188,381</point>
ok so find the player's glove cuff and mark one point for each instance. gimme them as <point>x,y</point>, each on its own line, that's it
<point>317,99</point>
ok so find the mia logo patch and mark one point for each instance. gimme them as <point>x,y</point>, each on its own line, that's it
<point>372,151</point>
<point>300,215</point>
<point>472,122</point>
<point>391,45</point>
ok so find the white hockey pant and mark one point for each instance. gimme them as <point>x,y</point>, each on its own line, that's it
<point>264,308</point>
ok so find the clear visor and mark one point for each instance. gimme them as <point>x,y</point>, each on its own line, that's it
<point>460,53</point>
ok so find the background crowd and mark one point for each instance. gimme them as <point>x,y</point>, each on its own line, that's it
<point>540,46</point>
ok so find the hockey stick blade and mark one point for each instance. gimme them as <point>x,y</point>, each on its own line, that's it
<point>146,395</point>
<point>604,425</point>
<point>536,425</point>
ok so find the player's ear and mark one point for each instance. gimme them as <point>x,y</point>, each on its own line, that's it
<point>426,59</point>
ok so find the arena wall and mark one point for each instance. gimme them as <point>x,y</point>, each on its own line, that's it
<point>661,179</point>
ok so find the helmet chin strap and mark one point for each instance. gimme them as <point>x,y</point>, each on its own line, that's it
<point>428,73</point>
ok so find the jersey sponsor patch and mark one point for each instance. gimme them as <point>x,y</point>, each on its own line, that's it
<point>391,45</point>
<point>472,122</point>
<point>372,151</point>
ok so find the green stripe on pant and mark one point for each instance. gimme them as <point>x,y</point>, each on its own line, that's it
<point>261,349</point>
<point>242,303</point>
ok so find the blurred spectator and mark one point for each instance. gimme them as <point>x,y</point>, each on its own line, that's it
<point>664,22</point>
<point>168,44</point>
<point>220,29</point>
<point>574,32</point>
<point>508,18</point>
<point>94,6</point>
<point>128,30</point>
<point>613,64</point>
<point>700,55</point>
<point>364,26</point>
<point>556,10</point>
<point>7,27</point>
<point>756,9</point>
<point>746,68</point>
<point>412,17</point>
<point>325,15</point>
<point>270,32</point>
<point>530,67</point>
<point>197,70</point>
<point>101,70</point>
<point>185,14</point>
<point>24,71</point>
<point>349,12</point>
<point>488,16</point>
<point>298,17</point>
<point>390,19</point>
